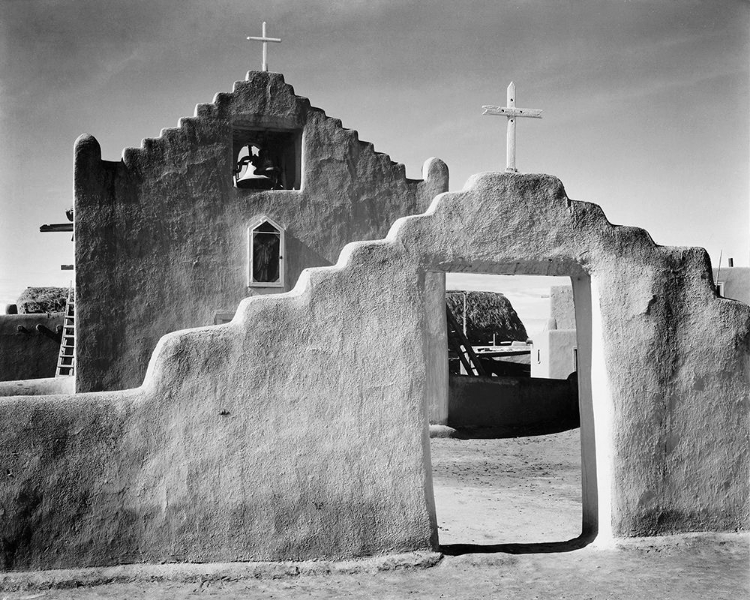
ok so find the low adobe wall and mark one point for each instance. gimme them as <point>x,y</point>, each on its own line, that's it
<point>300,430</point>
<point>511,402</point>
<point>39,387</point>
<point>28,354</point>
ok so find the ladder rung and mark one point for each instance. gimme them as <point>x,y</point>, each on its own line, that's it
<point>66,358</point>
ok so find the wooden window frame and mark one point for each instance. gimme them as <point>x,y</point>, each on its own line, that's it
<point>254,224</point>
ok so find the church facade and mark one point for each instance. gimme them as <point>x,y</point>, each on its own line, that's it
<point>236,201</point>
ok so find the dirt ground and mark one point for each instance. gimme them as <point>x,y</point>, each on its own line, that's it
<point>501,491</point>
<point>509,511</point>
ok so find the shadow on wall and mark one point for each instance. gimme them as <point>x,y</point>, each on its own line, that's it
<point>510,405</point>
<point>27,350</point>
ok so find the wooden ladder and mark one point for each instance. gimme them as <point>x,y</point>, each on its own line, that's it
<point>66,359</point>
<point>460,345</point>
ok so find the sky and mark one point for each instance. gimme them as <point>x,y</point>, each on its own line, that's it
<point>646,104</point>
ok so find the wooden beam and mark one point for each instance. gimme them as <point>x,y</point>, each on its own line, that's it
<point>461,339</point>
<point>56,227</point>
<point>506,111</point>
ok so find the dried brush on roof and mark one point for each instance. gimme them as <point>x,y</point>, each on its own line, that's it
<point>42,300</point>
<point>487,313</point>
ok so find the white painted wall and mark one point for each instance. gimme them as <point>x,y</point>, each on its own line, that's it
<point>552,356</point>
<point>736,282</point>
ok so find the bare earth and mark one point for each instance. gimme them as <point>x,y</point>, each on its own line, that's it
<point>517,490</point>
<point>509,511</point>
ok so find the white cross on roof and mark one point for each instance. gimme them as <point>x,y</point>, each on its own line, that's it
<point>265,40</point>
<point>512,112</point>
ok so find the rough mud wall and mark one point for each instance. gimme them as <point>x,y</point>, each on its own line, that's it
<point>267,461</point>
<point>161,236</point>
<point>299,430</point>
<point>28,354</point>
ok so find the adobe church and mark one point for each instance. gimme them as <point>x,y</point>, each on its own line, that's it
<point>234,202</point>
<point>280,435</point>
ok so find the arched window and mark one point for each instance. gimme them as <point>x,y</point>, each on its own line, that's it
<point>265,254</point>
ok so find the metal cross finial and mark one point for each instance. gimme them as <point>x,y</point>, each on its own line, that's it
<point>265,40</point>
<point>512,112</point>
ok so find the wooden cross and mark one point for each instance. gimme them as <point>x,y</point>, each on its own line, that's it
<point>265,40</point>
<point>512,112</point>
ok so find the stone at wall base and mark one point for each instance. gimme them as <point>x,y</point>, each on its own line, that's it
<point>441,431</point>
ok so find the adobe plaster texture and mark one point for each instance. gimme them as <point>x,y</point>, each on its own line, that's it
<point>162,235</point>
<point>561,307</point>
<point>299,430</point>
<point>28,354</point>
<point>44,386</point>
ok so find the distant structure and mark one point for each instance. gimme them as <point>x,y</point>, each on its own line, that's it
<point>30,334</point>
<point>733,282</point>
<point>555,351</point>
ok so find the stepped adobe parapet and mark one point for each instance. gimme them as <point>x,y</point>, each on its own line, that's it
<point>173,235</point>
<point>286,437</point>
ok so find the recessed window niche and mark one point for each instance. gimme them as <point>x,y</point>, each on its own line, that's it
<point>266,159</point>
<point>265,253</point>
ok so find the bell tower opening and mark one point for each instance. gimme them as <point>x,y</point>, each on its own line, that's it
<point>266,159</point>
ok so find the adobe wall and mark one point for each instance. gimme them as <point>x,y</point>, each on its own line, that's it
<point>44,386</point>
<point>511,402</point>
<point>161,236</point>
<point>561,307</point>
<point>299,430</point>
<point>28,354</point>
<point>552,354</point>
<point>736,282</point>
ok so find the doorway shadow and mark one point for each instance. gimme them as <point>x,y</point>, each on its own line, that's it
<point>486,433</point>
<point>577,543</point>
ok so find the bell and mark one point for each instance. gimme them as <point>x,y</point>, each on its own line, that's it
<point>251,180</point>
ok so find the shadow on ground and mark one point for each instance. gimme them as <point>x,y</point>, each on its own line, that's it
<point>486,433</point>
<point>527,548</point>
